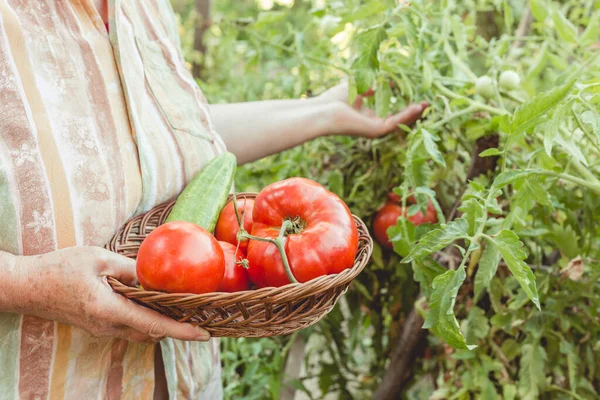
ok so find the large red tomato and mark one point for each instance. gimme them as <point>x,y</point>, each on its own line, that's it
<point>180,257</point>
<point>388,215</point>
<point>322,238</point>
<point>236,277</point>
<point>228,226</point>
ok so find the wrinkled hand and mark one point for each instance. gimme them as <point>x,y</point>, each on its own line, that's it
<point>70,286</point>
<point>357,120</point>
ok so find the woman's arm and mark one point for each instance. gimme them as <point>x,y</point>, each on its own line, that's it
<point>257,129</point>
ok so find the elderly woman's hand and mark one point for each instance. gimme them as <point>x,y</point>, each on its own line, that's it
<point>357,120</point>
<point>70,286</point>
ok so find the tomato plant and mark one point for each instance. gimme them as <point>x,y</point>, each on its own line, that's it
<point>235,277</point>
<point>228,225</point>
<point>478,276</point>
<point>321,237</point>
<point>180,257</point>
<point>388,215</point>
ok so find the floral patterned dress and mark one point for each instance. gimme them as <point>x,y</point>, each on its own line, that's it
<point>93,130</point>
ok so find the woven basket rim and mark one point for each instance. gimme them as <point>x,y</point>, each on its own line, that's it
<point>314,286</point>
<point>319,284</point>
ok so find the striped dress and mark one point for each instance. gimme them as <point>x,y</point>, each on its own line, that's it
<point>93,130</point>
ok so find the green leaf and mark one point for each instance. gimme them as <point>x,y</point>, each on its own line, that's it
<point>383,95</point>
<point>509,392</point>
<point>510,177</point>
<point>366,10</point>
<point>488,265</point>
<point>592,119</point>
<point>427,75</point>
<point>490,153</point>
<point>429,140</point>
<point>566,239</point>
<point>569,350</point>
<point>425,271</point>
<point>510,247</point>
<point>511,348</point>
<point>268,18</point>
<point>417,170</point>
<point>530,191</point>
<point>539,9</point>
<point>508,15</point>
<point>590,35</point>
<point>365,66</point>
<point>572,148</point>
<point>438,238</point>
<point>402,237</point>
<point>565,29</point>
<point>531,113</point>
<point>440,317</point>
<point>552,127</point>
<point>336,182</point>
<point>474,212</point>
<point>531,371</point>
<point>488,389</point>
<point>477,325</point>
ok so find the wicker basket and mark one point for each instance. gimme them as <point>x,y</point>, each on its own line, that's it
<point>253,313</point>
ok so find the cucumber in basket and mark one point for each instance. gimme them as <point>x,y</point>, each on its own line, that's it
<point>203,198</point>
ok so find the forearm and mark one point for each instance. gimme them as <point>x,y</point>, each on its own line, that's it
<point>257,129</point>
<point>10,285</point>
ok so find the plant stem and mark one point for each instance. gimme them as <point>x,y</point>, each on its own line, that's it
<point>279,242</point>
<point>585,131</point>
<point>565,391</point>
<point>452,116</point>
<point>513,97</point>
<point>574,179</point>
<point>293,51</point>
<point>477,104</point>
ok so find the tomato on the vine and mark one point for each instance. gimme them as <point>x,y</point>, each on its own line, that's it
<point>484,86</point>
<point>388,215</point>
<point>394,198</point>
<point>509,80</point>
<point>228,226</point>
<point>180,257</point>
<point>321,237</point>
<point>236,277</point>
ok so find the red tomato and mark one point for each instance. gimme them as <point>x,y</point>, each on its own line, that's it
<point>394,198</point>
<point>388,215</point>
<point>228,227</point>
<point>236,277</point>
<point>180,257</point>
<point>323,239</point>
<point>430,216</point>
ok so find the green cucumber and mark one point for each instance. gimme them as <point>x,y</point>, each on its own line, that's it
<point>203,198</point>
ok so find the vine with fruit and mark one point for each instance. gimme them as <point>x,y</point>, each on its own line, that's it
<point>505,279</point>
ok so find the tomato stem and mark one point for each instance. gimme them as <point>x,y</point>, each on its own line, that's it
<point>239,220</point>
<point>279,242</point>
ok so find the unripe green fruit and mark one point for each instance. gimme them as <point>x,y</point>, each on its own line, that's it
<point>484,86</point>
<point>509,80</point>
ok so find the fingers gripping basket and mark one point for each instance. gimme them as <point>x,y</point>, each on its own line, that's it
<point>252,313</point>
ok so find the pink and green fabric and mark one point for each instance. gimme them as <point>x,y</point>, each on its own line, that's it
<point>93,130</point>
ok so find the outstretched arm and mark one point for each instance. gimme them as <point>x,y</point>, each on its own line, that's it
<point>257,129</point>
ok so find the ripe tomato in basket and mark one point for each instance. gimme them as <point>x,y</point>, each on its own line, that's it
<point>388,215</point>
<point>180,257</point>
<point>228,226</point>
<point>236,277</point>
<point>320,235</point>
